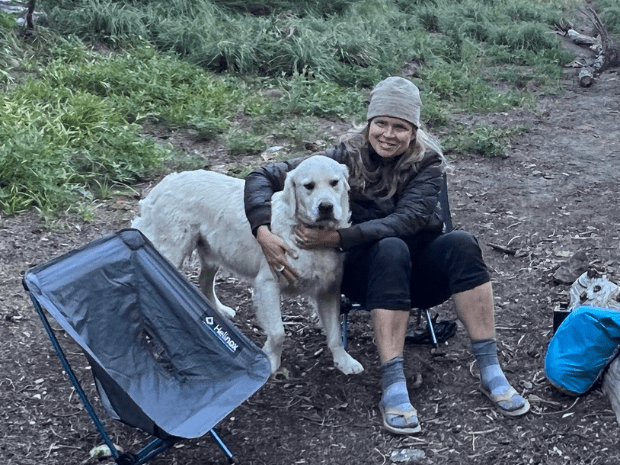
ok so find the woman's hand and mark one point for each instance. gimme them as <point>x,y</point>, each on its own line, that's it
<point>275,250</point>
<point>313,238</point>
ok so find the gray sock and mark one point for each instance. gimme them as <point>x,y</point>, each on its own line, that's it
<point>395,394</point>
<point>492,377</point>
<point>392,371</point>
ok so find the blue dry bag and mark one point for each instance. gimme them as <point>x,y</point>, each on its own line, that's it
<point>582,347</point>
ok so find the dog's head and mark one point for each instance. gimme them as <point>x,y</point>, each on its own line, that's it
<point>317,192</point>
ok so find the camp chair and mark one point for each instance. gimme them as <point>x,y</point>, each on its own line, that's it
<point>163,360</point>
<point>434,333</point>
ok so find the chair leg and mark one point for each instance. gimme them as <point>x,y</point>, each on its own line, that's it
<point>429,326</point>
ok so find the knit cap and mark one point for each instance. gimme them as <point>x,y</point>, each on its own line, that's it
<point>396,97</point>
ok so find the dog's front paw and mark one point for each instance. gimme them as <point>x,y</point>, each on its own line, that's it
<point>347,364</point>
<point>352,368</point>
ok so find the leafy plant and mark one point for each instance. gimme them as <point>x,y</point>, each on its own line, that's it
<point>240,142</point>
<point>485,140</point>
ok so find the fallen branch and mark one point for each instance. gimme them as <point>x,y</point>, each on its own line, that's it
<point>501,248</point>
<point>610,55</point>
<point>581,39</point>
<point>607,55</point>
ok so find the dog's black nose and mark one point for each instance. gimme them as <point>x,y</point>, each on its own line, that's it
<point>325,208</point>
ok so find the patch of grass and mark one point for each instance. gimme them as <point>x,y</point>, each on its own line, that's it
<point>300,7</point>
<point>297,131</point>
<point>610,15</point>
<point>304,96</point>
<point>249,74</point>
<point>240,171</point>
<point>18,57</point>
<point>76,125</point>
<point>484,140</point>
<point>239,142</point>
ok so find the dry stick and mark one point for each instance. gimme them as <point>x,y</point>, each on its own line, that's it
<point>559,411</point>
<point>473,436</point>
<point>501,248</point>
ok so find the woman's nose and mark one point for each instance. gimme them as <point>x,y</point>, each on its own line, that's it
<point>388,131</point>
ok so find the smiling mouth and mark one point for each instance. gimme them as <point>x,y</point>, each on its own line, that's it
<point>387,145</point>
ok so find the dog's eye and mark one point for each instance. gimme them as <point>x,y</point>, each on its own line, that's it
<point>309,186</point>
<point>333,183</point>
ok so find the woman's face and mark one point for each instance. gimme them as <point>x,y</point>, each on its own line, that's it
<point>390,136</point>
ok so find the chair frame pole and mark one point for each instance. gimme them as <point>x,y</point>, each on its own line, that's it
<point>153,448</point>
<point>76,384</point>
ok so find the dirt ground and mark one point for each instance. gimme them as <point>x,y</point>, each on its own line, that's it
<point>556,193</point>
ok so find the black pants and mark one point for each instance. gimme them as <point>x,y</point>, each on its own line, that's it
<point>418,272</point>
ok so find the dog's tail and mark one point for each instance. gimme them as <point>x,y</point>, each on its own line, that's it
<point>172,237</point>
<point>141,222</point>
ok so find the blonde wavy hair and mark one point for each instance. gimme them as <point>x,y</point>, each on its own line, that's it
<point>386,180</point>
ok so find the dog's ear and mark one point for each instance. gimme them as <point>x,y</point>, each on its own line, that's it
<point>345,177</point>
<point>344,198</point>
<point>289,193</point>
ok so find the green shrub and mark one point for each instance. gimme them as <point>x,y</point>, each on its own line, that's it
<point>610,17</point>
<point>485,140</point>
<point>320,98</point>
<point>241,142</point>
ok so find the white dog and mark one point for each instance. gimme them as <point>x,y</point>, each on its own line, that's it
<point>204,211</point>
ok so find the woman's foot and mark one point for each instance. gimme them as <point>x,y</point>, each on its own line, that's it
<point>399,416</point>
<point>493,382</point>
<point>495,386</point>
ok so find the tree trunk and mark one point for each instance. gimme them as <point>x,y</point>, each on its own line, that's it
<point>29,22</point>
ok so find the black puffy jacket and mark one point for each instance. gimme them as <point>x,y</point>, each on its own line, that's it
<point>415,209</point>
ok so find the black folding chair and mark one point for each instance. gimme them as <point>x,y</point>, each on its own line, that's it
<point>447,328</point>
<point>163,360</point>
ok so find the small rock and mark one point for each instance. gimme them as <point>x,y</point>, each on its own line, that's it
<point>407,455</point>
<point>570,271</point>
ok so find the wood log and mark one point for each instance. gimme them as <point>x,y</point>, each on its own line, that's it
<point>586,76</point>
<point>582,39</point>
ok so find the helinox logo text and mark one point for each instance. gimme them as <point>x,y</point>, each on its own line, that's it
<point>221,333</point>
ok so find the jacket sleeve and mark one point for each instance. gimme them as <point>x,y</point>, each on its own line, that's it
<point>416,209</point>
<point>261,183</point>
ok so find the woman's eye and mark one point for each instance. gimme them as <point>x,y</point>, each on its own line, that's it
<point>309,186</point>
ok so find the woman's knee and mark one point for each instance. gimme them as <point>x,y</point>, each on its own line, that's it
<point>390,251</point>
<point>461,243</point>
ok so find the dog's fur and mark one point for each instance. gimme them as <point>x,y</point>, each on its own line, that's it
<point>204,211</point>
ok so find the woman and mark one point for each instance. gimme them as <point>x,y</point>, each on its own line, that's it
<point>396,253</point>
